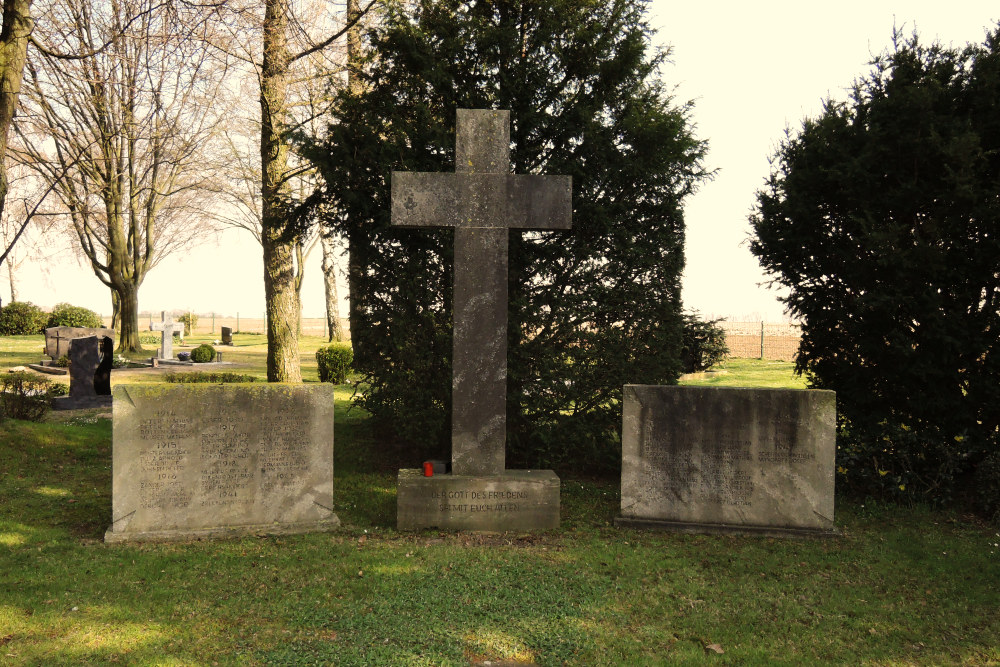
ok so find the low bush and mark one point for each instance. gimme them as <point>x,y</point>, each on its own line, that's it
<point>62,362</point>
<point>58,389</point>
<point>150,338</point>
<point>209,377</point>
<point>704,343</point>
<point>21,318</point>
<point>334,362</point>
<point>190,321</point>
<point>24,395</point>
<point>203,354</point>
<point>68,315</point>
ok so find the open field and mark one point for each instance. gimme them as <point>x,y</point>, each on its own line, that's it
<point>901,586</point>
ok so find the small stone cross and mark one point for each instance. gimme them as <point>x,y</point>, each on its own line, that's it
<point>482,201</point>
<point>166,326</point>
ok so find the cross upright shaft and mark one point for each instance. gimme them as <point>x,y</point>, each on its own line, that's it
<point>482,201</point>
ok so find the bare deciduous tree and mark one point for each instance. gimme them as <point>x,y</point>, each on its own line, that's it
<point>121,131</point>
<point>281,65</point>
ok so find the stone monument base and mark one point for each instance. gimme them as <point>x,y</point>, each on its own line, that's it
<point>721,528</point>
<point>223,532</point>
<point>515,500</point>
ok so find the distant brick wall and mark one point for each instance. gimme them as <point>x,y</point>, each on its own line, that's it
<point>762,340</point>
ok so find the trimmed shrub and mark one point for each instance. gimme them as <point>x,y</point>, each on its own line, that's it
<point>209,377</point>
<point>62,362</point>
<point>190,321</point>
<point>203,354</point>
<point>21,318</point>
<point>24,395</point>
<point>68,315</point>
<point>704,343</point>
<point>334,362</point>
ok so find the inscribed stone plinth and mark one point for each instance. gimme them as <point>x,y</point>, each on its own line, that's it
<point>481,201</point>
<point>57,338</point>
<point>516,500</point>
<point>200,460</point>
<point>720,459</point>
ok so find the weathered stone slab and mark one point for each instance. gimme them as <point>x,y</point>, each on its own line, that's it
<point>57,338</point>
<point>227,335</point>
<point>192,461</point>
<point>515,500</point>
<point>721,459</point>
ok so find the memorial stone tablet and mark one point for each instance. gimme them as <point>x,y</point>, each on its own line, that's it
<point>207,460</point>
<point>722,459</point>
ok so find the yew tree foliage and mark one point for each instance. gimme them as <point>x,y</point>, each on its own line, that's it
<point>590,309</point>
<point>882,217</point>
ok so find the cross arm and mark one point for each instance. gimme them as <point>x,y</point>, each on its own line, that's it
<point>425,199</point>
<point>429,199</point>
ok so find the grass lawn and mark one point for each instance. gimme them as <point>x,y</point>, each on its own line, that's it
<point>902,586</point>
<point>749,373</point>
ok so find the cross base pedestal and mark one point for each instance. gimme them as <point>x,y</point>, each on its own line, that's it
<point>515,500</point>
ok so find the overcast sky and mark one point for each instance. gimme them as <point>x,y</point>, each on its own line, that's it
<point>751,68</point>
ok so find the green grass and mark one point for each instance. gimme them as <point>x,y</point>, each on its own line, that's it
<point>21,350</point>
<point>248,354</point>
<point>902,586</point>
<point>750,373</point>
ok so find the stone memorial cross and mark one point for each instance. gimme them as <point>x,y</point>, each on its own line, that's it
<point>482,201</point>
<point>167,327</point>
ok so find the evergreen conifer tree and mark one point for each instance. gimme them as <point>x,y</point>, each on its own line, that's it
<point>590,309</point>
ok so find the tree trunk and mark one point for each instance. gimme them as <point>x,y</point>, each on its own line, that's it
<point>333,324</point>
<point>116,311</point>
<point>300,274</point>
<point>128,312</point>
<point>17,26</point>
<point>10,276</point>
<point>354,267</point>
<point>277,240</point>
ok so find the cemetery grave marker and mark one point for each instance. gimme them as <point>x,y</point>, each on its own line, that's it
<point>210,460</point>
<point>57,339</point>
<point>482,201</point>
<point>727,459</point>
<point>89,374</point>
<point>167,327</point>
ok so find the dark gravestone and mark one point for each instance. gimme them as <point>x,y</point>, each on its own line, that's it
<point>84,358</point>
<point>84,362</point>
<point>227,335</point>
<point>102,377</point>
<point>482,201</point>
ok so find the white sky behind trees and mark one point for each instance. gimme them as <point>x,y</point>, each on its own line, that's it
<point>752,69</point>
